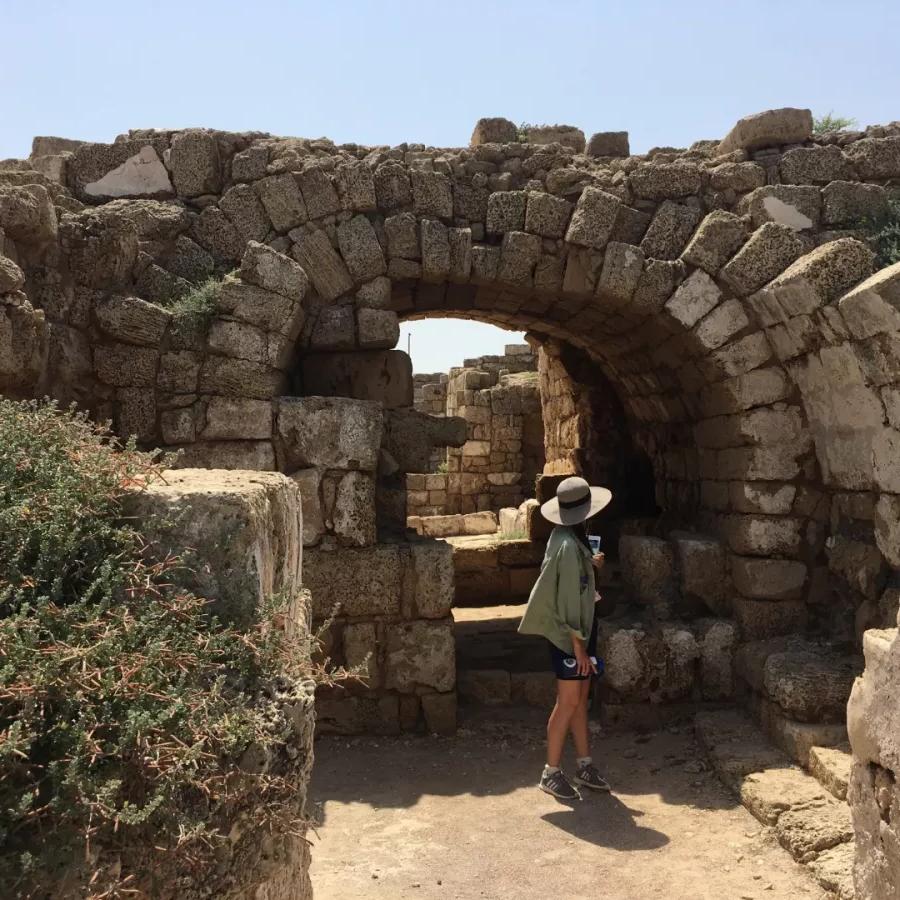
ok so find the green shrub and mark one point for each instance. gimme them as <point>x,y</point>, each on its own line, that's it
<point>515,535</point>
<point>883,235</point>
<point>442,468</point>
<point>829,123</point>
<point>123,702</point>
<point>198,307</point>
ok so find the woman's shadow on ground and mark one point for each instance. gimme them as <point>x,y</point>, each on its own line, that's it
<point>604,820</point>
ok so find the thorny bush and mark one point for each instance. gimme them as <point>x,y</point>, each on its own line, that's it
<point>124,703</point>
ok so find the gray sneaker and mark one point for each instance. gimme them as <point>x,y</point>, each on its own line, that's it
<point>589,777</point>
<point>558,785</point>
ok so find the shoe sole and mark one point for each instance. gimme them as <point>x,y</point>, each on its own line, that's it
<point>553,793</point>
<point>606,789</point>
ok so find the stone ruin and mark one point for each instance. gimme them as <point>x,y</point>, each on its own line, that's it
<point>499,399</point>
<point>714,341</point>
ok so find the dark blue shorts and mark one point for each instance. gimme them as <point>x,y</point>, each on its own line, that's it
<point>566,667</point>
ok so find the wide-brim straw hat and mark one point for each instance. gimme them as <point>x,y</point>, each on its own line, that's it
<point>575,501</point>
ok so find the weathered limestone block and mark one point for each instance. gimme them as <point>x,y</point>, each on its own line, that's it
<point>814,165</point>
<point>665,181</point>
<point>392,187</point>
<point>847,203</point>
<point>283,202</point>
<point>797,207</point>
<point>101,248</point>
<point>717,239</point>
<point>355,581</point>
<point>126,169</point>
<point>229,418</point>
<point>460,240</point>
<point>273,271</point>
<point>421,654</point>
<point>23,345</point>
<point>243,529</point>
<point>431,194</point>
<point>178,426</point>
<point>769,129</point>
<point>701,565</point>
<point>431,564</point>
<point>126,366</point>
<point>355,185</point>
<point>875,158</point>
<point>262,308</point>
<point>593,220</point>
<point>322,264</point>
<point>656,284</point>
<point>238,340</point>
<point>887,528</point>
<point>768,579</point>
<point>648,569</point>
<point>12,278</point>
<point>717,648</point>
<point>547,215</point>
<point>762,619</point>
<point>319,195</point>
<point>250,164</point>
<point>377,329</point>
<point>810,685</point>
<point>195,164</point>
<point>310,481</point>
<point>873,307</point>
<point>670,230</point>
<point>340,713</point>
<point>763,535</point>
<point>740,177</point>
<point>250,455</point>
<point>506,211</point>
<point>131,320</point>
<point>770,250</point>
<point>722,324</point>
<point>214,231</point>
<point>519,254</point>
<point>360,640</point>
<point>238,378</point>
<point>805,831</point>
<point>402,232</point>
<point>27,213</point>
<point>435,239</point>
<point>380,375</point>
<point>360,249</point>
<point>623,265</point>
<point>353,514</point>
<point>328,432</point>
<point>334,329</point>
<point>244,210</point>
<point>410,436</point>
<point>694,298</point>
<point>608,143</point>
<point>494,131</point>
<point>567,135</point>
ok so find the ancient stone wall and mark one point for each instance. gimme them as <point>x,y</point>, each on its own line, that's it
<point>726,292</point>
<point>499,400</point>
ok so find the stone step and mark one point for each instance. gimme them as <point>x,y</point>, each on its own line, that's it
<point>808,821</point>
<point>830,766</point>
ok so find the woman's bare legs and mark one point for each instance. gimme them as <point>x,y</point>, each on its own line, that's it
<point>568,700</point>
<point>579,722</point>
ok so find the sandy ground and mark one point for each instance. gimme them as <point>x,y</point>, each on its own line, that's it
<point>460,818</point>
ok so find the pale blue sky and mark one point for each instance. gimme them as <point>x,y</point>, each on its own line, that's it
<point>386,71</point>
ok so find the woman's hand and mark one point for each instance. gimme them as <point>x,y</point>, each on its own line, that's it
<point>584,664</point>
<point>597,561</point>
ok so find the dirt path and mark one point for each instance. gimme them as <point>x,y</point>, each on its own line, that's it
<point>461,818</point>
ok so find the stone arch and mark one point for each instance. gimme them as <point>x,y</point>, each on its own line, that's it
<point>722,291</point>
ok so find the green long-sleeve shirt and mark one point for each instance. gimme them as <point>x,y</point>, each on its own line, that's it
<point>562,600</point>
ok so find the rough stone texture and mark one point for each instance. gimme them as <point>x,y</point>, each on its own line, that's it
<point>333,432</point>
<point>383,376</point>
<point>769,129</point>
<point>648,569</point>
<point>608,143</point>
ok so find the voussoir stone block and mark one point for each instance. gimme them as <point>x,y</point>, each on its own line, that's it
<point>324,266</point>
<point>328,432</point>
<point>273,271</point>
<point>623,265</point>
<point>506,211</point>
<point>769,129</point>
<point>770,250</point>
<point>283,202</point>
<point>245,211</point>
<point>594,218</point>
<point>796,206</point>
<point>670,230</point>
<point>431,194</point>
<point>694,298</point>
<point>131,320</point>
<point>717,239</point>
<point>360,249</point>
<point>547,215</point>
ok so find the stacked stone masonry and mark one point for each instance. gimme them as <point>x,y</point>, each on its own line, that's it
<point>724,291</point>
<point>498,397</point>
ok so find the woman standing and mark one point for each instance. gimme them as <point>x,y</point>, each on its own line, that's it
<point>561,609</point>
